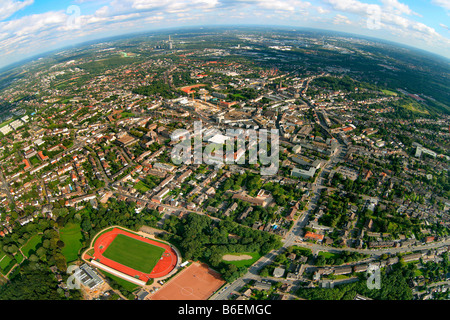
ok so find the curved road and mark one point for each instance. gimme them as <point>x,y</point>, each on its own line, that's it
<point>290,237</point>
<point>296,230</point>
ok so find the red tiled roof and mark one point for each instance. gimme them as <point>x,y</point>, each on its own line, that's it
<point>314,236</point>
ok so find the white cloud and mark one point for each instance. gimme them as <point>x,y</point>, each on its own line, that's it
<point>341,19</point>
<point>351,6</point>
<point>442,3</point>
<point>35,33</point>
<point>322,10</point>
<point>9,7</point>
<point>103,11</point>
<point>283,5</point>
<point>390,17</point>
<point>357,7</point>
<point>419,26</point>
<point>149,4</point>
<point>397,7</point>
<point>30,25</point>
<point>28,34</point>
<point>168,5</point>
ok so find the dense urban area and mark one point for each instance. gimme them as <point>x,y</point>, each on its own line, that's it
<point>362,184</point>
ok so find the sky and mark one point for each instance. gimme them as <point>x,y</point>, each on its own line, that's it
<point>31,27</point>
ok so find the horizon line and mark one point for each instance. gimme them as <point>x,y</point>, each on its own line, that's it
<point>45,54</point>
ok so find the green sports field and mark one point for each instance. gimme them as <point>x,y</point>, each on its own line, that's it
<point>133,253</point>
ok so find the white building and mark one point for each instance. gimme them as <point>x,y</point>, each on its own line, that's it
<point>6,129</point>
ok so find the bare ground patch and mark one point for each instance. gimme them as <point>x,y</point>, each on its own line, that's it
<point>230,257</point>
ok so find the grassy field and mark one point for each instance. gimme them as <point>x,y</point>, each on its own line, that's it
<point>418,273</point>
<point>244,263</point>
<point>19,257</point>
<point>126,114</point>
<point>6,264</point>
<point>133,253</point>
<point>34,160</point>
<point>91,252</point>
<point>31,245</point>
<point>71,236</point>
<point>342,276</point>
<point>124,283</point>
<point>303,251</point>
<point>6,122</point>
<point>388,92</point>
<point>141,186</point>
<point>415,107</point>
<point>327,254</point>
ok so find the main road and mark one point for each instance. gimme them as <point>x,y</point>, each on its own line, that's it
<point>294,233</point>
<point>289,239</point>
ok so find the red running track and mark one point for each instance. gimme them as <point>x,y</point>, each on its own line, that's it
<point>166,264</point>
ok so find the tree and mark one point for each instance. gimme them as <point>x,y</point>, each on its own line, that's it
<point>321,261</point>
<point>33,282</point>
<point>12,248</point>
<point>45,244</point>
<point>33,258</point>
<point>41,252</point>
<point>216,257</point>
<point>60,261</point>
<point>264,272</point>
<point>86,224</point>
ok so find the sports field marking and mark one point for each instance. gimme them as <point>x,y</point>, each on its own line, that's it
<point>133,253</point>
<point>187,291</point>
<point>165,262</point>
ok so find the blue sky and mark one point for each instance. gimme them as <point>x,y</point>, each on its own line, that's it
<point>30,27</point>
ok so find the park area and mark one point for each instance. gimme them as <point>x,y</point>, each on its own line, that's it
<point>31,245</point>
<point>72,238</point>
<point>244,259</point>
<point>6,263</point>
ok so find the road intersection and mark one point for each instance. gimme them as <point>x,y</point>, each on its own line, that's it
<point>293,237</point>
